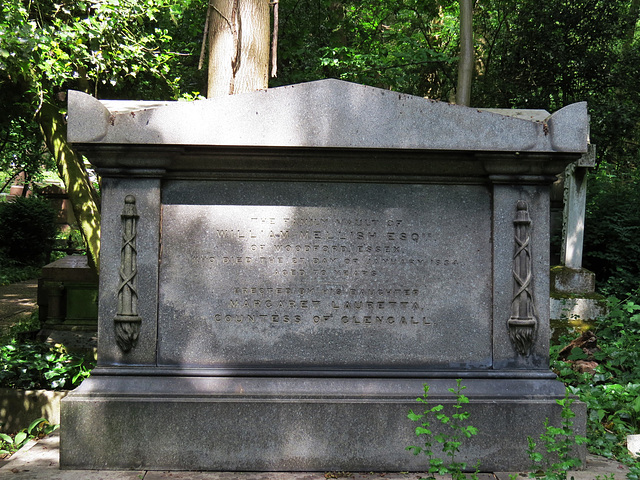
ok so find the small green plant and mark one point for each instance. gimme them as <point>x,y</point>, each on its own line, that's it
<point>39,428</point>
<point>610,476</point>
<point>450,440</point>
<point>32,365</point>
<point>558,442</point>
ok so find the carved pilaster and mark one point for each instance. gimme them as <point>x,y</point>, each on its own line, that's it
<point>127,322</point>
<point>523,322</point>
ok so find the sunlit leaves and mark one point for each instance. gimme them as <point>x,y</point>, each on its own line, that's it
<point>407,45</point>
<point>84,44</point>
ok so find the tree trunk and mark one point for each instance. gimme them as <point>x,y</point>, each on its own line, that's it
<point>465,64</point>
<point>238,46</point>
<point>83,197</point>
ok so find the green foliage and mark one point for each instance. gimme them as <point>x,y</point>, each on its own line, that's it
<point>12,273</point>
<point>90,44</point>
<point>612,395</point>
<point>22,328</point>
<point>618,337</point>
<point>558,442</point>
<point>450,440</point>
<point>27,231</point>
<point>553,53</point>
<point>634,471</point>
<point>31,365</point>
<point>39,428</point>
<point>109,48</point>
<point>406,45</point>
<point>22,156</point>
<point>612,232</point>
<point>70,242</point>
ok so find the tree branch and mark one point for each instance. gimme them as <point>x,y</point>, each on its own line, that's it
<point>204,37</point>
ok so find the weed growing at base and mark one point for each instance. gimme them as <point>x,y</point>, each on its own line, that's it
<point>450,441</point>
<point>558,442</point>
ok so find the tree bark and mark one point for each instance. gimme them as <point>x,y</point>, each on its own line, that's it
<point>465,64</point>
<point>239,37</point>
<point>83,197</point>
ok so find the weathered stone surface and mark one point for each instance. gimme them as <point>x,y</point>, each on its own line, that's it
<point>18,408</point>
<point>72,268</point>
<point>67,293</point>
<point>294,424</point>
<point>333,276</point>
<point>571,280</point>
<point>326,113</point>
<point>577,310</point>
<point>147,194</point>
<point>305,258</point>
<point>40,461</point>
<point>575,197</point>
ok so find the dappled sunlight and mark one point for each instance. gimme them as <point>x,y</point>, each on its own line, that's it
<point>18,408</point>
<point>574,239</point>
<point>259,275</point>
<point>72,172</point>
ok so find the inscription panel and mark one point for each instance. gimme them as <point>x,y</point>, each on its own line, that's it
<point>326,276</point>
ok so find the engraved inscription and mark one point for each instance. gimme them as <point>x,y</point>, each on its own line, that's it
<point>317,261</point>
<point>370,283</point>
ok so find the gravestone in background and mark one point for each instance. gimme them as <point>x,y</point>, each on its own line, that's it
<point>281,272</point>
<point>574,302</point>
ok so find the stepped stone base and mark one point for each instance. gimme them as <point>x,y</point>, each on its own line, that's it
<point>295,424</point>
<point>569,280</point>
<point>577,309</point>
<point>573,299</point>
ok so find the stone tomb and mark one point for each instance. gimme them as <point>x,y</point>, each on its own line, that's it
<point>282,271</point>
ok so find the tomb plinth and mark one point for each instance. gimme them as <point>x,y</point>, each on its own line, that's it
<point>281,272</point>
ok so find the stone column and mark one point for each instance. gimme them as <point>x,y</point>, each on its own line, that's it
<point>573,297</point>
<point>575,198</point>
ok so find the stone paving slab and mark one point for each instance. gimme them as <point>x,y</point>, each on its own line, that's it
<point>40,461</point>
<point>278,476</point>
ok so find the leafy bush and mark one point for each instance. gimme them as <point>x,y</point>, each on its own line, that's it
<point>612,394</point>
<point>27,230</point>
<point>612,231</point>
<point>16,273</point>
<point>39,428</point>
<point>32,365</point>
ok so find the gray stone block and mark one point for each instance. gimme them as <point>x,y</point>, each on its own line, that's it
<point>252,424</point>
<point>325,276</point>
<point>577,310</point>
<point>569,280</point>
<point>325,113</point>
